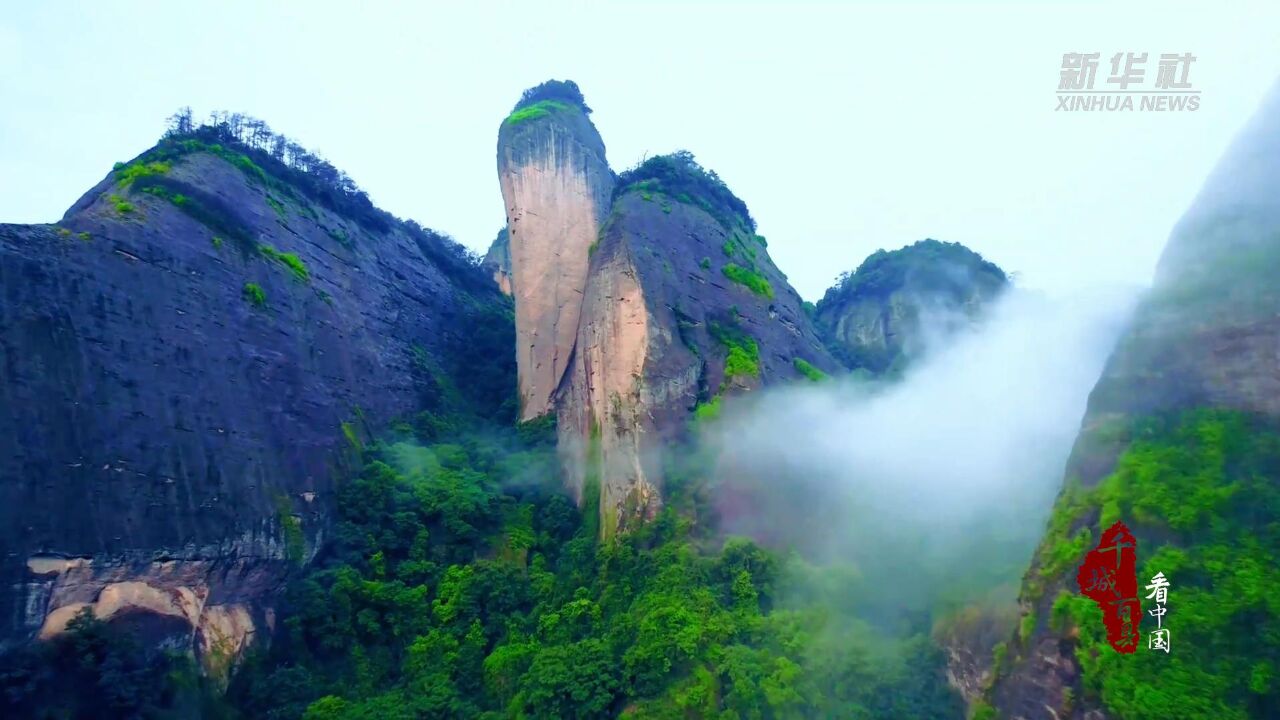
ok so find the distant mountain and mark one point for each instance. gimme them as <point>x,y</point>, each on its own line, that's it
<point>896,303</point>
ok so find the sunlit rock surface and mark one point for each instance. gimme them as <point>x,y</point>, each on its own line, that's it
<point>556,187</point>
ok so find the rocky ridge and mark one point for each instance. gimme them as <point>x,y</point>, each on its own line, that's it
<point>190,357</point>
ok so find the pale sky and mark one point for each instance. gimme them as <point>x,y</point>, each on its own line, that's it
<point>845,127</point>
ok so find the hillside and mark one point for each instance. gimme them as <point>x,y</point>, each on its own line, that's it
<point>1181,441</point>
<point>192,357</point>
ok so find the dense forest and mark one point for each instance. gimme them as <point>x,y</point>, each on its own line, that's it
<point>462,582</point>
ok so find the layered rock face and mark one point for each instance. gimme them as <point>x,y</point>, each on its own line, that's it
<point>659,322</point>
<point>556,187</point>
<point>898,303</point>
<point>1206,336</point>
<point>181,357</point>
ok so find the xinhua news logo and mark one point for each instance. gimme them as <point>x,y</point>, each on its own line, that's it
<point>1126,88</point>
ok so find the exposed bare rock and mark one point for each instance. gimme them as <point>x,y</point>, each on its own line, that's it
<point>651,343</point>
<point>168,439</point>
<point>213,607</point>
<point>556,186</point>
<point>968,636</point>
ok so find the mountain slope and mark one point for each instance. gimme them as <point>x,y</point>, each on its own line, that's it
<point>1181,440</point>
<point>895,304</point>
<point>188,357</point>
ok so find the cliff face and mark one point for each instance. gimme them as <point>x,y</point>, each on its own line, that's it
<point>889,311</point>
<point>1206,338</point>
<point>498,262</point>
<point>556,187</point>
<point>632,307</point>
<point>665,328</point>
<point>180,359</point>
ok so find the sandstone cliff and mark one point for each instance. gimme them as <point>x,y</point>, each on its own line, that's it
<point>556,186</point>
<point>898,303</point>
<point>1207,336</point>
<point>186,360</point>
<point>683,305</point>
<point>635,305</point>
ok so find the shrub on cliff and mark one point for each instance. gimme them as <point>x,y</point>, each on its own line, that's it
<point>565,91</point>
<point>680,177</point>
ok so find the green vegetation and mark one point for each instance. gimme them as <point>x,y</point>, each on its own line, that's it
<point>205,208</point>
<point>267,160</point>
<point>1027,626</point>
<point>295,544</point>
<point>705,263</point>
<point>982,710</point>
<point>341,237</point>
<point>1061,548</point>
<point>277,206</point>
<point>1199,492</point>
<point>750,279</point>
<point>238,159</point>
<point>122,206</point>
<point>100,671</point>
<point>353,438</point>
<point>735,247</point>
<point>742,358</point>
<point>925,264</point>
<point>540,109</point>
<point>563,92</point>
<point>84,235</point>
<point>254,293</point>
<point>217,242</point>
<point>451,591</point>
<point>679,176</point>
<point>285,172</point>
<point>809,371</point>
<point>709,410</point>
<point>289,260</point>
<point>742,361</point>
<point>127,174</point>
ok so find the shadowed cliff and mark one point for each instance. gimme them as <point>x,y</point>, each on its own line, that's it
<point>189,358</point>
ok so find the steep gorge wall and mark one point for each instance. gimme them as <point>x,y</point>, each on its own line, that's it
<point>169,439</point>
<point>1207,336</point>
<point>556,186</point>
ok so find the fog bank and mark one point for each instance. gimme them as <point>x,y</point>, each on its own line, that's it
<point>949,472</point>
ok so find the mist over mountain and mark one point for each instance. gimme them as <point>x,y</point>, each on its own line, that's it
<point>270,451</point>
